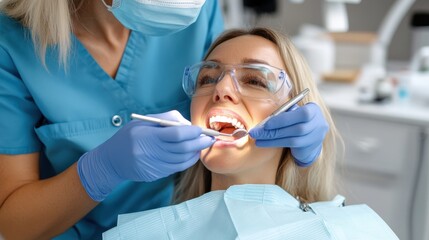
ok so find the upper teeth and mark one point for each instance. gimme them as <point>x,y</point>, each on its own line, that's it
<point>215,120</point>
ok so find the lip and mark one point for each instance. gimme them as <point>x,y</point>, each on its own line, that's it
<point>224,144</point>
<point>238,143</point>
<point>226,113</point>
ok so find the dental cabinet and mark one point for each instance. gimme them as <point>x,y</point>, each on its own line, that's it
<point>386,159</point>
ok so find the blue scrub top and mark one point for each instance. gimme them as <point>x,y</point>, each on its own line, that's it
<point>64,113</point>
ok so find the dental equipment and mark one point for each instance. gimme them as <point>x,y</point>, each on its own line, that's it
<point>375,70</point>
<point>238,133</point>
<point>285,106</point>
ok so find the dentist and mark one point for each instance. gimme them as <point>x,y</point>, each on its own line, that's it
<point>71,73</point>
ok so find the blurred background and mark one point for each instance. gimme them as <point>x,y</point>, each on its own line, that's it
<point>370,59</point>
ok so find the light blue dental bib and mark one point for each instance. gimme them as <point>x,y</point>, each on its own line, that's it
<point>253,212</point>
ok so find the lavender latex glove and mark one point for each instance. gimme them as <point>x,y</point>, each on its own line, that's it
<point>141,151</point>
<point>302,129</point>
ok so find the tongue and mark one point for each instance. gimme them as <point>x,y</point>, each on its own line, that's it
<point>227,129</point>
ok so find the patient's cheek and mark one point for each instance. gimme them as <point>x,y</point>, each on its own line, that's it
<point>260,109</point>
<point>218,162</point>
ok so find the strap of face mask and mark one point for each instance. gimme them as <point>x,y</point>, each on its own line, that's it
<point>115,4</point>
<point>105,4</point>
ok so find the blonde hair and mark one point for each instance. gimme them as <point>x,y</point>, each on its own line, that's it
<point>49,22</point>
<point>313,183</point>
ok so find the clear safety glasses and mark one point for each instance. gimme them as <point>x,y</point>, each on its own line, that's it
<point>259,81</point>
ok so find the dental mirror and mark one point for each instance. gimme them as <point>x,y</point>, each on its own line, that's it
<point>237,134</point>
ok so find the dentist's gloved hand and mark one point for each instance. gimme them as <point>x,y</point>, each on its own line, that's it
<point>302,129</point>
<point>141,151</point>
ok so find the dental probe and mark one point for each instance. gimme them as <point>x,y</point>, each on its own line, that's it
<point>285,106</point>
<point>238,133</point>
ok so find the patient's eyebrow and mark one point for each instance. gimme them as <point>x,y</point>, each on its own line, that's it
<point>214,60</point>
<point>253,60</point>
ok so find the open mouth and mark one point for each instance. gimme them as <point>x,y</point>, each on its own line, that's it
<point>225,124</point>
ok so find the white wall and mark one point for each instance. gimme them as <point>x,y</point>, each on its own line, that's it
<point>366,16</point>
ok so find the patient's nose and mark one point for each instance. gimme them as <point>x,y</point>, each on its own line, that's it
<point>226,89</point>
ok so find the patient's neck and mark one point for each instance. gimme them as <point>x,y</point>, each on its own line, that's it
<point>223,181</point>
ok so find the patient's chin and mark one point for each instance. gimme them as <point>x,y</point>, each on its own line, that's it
<point>217,162</point>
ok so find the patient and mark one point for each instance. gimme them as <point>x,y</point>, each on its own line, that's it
<point>239,190</point>
<point>270,55</point>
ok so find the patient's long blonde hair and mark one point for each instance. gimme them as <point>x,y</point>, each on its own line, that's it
<point>50,22</point>
<point>314,183</point>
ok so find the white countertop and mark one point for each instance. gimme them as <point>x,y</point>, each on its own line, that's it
<point>344,98</point>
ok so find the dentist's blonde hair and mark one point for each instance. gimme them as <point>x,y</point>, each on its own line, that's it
<point>313,183</point>
<point>49,22</point>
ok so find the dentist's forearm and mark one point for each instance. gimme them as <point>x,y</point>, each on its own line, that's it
<point>45,208</point>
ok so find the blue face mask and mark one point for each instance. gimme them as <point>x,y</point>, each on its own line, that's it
<point>156,17</point>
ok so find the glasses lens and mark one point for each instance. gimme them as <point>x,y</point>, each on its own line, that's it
<point>201,79</point>
<point>207,77</point>
<point>257,81</point>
